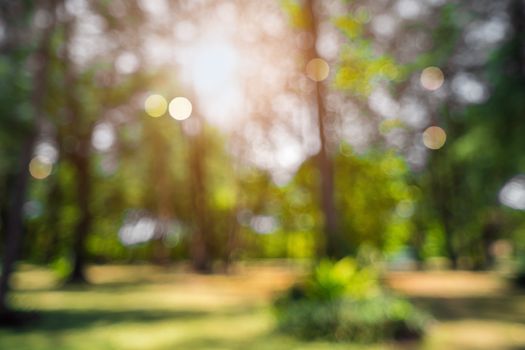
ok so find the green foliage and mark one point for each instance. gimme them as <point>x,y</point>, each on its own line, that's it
<point>332,281</point>
<point>342,301</point>
<point>453,202</point>
<point>62,267</point>
<point>376,200</point>
<point>434,244</point>
<point>363,321</point>
<point>372,192</point>
<point>360,68</point>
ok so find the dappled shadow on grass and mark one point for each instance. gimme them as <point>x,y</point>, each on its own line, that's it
<point>269,340</point>
<point>274,339</point>
<point>16,319</point>
<point>88,287</point>
<point>105,287</point>
<point>505,308</point>
<point>63,320</point>
<point>220,343</point>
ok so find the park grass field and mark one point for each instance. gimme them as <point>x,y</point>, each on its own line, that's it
<point>150,307</point>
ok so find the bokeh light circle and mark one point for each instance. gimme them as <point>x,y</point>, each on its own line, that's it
<point>180,108</point>
<point>155,105</point>
<point>40,167</point>
<point>434,137</point>
<point>317,69</point>
<point>432,78</point>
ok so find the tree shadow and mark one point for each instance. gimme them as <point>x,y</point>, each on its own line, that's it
<point>505,308</point>
<point>264,341</point>
<point>65,320</point>
<point>99,287</point>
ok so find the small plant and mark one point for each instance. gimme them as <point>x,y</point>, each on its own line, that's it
<point>341,301</point>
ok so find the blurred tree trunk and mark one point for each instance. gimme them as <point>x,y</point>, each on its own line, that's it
<point>17,196</point>
<point>81,163</point>
<point>14,223</point>
<point>200,250</point>
<point>54,203</point>
<point>518,51</point>
<point>449,245</point>
<point>231,245</point>
<point>325,165</point>
<point>79,156</point>
<point>162,180</point>
<point>441,189</point>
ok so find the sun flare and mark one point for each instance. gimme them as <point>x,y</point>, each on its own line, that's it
<point>211,70</point>
<point>214,66</point>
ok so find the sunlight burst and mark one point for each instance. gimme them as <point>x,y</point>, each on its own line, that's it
<point>180,108</point>
<point>211,69</point>
<point>214,65</point>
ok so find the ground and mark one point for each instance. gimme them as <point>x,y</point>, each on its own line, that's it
<point>147,307</point>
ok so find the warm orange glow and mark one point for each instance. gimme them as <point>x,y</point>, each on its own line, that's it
<point>432,78</point>
<point>317,69</point>
<point>434,137</point>
<point>40,168</point>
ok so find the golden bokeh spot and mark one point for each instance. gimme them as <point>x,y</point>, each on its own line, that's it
<point>180,108</point>
<point>155,105</point>
<point>434,137</point>
<point>432,78</point>
<point>40,168</point>
<point>317,69</point>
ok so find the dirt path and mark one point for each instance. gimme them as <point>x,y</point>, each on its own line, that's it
<point>473,310</point>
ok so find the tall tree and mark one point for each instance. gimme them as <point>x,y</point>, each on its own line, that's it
<point>79,156</point>
<point>332,242</point>
<point>18,189</point>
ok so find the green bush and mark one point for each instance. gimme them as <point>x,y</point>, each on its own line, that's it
<point>331,281</point>
<point>340,301</point>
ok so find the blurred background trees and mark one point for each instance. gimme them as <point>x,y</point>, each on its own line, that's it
<point>314,129</point>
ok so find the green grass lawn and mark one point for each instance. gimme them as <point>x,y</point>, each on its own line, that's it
<point>145,307</point>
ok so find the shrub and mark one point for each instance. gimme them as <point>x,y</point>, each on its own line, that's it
<point>341,301</point>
